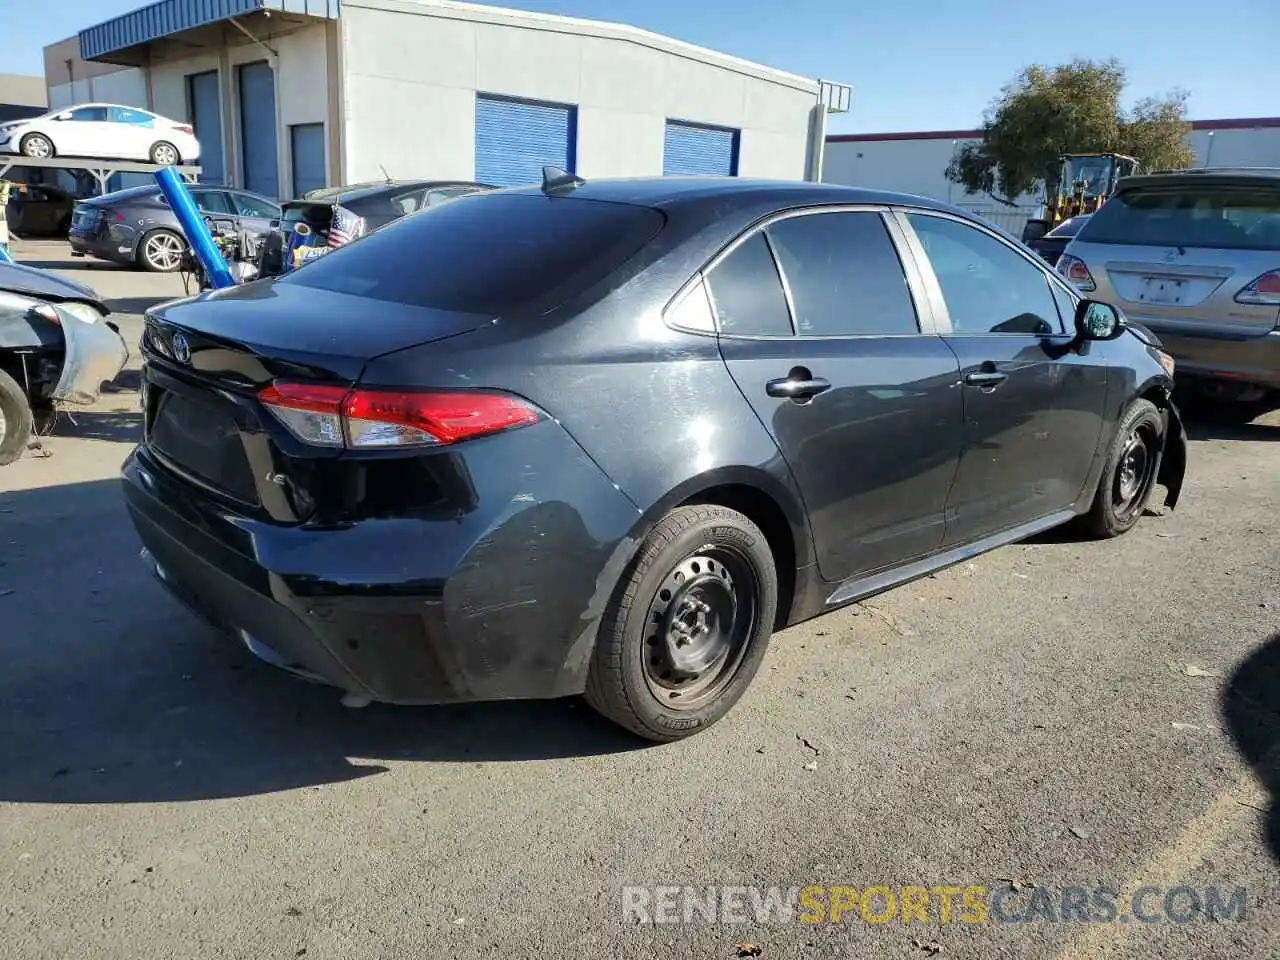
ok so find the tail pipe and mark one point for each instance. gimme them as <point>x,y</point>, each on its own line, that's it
<point>197,232</point>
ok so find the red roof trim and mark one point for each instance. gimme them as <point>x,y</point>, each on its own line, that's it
<point>1237,123</point>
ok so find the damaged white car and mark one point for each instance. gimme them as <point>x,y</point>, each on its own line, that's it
<point>56,346</point>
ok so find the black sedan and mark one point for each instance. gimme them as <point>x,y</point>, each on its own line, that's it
<point>39,210</point>
<point>136,225</point>
<point>620,432</point>
<point>1053,243</point>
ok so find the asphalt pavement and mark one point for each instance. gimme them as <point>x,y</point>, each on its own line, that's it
<point>1059,714</point>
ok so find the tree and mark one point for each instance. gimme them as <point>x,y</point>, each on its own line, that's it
<point>1071,108</point>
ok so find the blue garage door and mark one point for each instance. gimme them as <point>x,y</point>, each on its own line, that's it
<point>258,128</point>
<point>515,139</point>
<point>690,149</point>
<point>306,144</point>
<point>206,118</point>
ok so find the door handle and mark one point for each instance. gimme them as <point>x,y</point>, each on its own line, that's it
<point>787,388</point>
<point>986,378</point>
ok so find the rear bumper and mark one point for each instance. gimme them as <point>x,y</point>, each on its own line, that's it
<point>103,248</point>
<point>1225,356</point>
<point>503,606</point>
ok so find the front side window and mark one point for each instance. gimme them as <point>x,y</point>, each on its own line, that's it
<point>747,292</point>
<point>213,201</point>
<point>844,274</point>
<point>988,287</point>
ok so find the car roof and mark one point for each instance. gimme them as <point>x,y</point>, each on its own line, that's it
<point>736,192</point>
<point>1215,176</point>
<point>360,191</point>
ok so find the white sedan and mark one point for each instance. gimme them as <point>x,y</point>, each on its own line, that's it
<point>104,130</point>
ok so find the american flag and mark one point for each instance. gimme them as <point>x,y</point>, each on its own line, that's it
<point>345,227</point>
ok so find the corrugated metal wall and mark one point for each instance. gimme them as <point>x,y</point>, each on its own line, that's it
<point>206,118</point>
<point>257,86</point>
<point>516,138</point>
<point>695,149</point>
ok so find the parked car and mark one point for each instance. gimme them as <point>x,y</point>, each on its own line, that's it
<point>606,437</point>
<point>136,225</point>
<point>1195,256</point>
<point>39,210</point>
<point>334,216</point>
<point>56,345</point>
<point>107,131</point>
<point>1051,245</point>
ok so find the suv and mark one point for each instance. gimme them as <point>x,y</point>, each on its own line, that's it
<point>136,225</point>
<point>1195,256</point>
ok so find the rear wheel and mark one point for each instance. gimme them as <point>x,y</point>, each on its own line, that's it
<point>688,626</point>
<point>1129,477</point>
<point>165,154</point>
<point>36,145</point>
<point>15,419</point>
<point>161,251</point>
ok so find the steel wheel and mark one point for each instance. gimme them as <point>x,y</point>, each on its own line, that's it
<point>1135,472</point>
<point>699,623</point>
<point>165,154</point>
<point>37,145</point>
<point>162,251</point>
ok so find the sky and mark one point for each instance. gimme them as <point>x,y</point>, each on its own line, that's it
<point>913,64</point>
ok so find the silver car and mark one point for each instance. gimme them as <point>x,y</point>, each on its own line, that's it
<point>1194,255</point>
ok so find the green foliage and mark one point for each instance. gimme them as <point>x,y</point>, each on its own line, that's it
<point>1071,108</point>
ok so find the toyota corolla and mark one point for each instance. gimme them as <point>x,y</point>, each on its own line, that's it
<point>606,438</point>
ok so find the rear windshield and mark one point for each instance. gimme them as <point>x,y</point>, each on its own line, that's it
<point>1068,228</point>
<point>1190,215</point>
<point>486,253</point>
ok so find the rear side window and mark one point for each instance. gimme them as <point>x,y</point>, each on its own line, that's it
<point>487,254</point>
<point>844,274</point>
<point>747,293</point>
<point>1233,217</point>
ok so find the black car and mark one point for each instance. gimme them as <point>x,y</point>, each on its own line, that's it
<point>39,210</point>
<point>335,216</point>
<point>136,226</point>
<point>607,437</point>
<point>1051,245</point>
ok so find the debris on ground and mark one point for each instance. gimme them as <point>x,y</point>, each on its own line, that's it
<point>747,950</point>
<point>1017,885</point>
<point>815,750</point>
<point>1081,833</point>
<point>889,619</point>
<point>811,765</point>
<point>932,948</point>
<point>1191,670</point>
<point>1184,726</point>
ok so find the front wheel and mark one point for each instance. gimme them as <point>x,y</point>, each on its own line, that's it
<point>15,419</point>
<point>36,145</point>
<point>1129,477</point>
<point>688,626</point>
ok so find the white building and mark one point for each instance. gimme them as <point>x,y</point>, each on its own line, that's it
<point>917,162</point>
<point>288,95</point>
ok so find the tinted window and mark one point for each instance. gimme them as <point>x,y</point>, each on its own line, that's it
<point>89,114</point>
<point>988,287</point>
<point>747,293</point>
<point>1068,228</point>
<point>488,254</point>
<point>127,115</point>
<point>250,206</point>
<point>440,195</point>
<point>1236,217</point>
<point>213,201</point>
<point>844,275</point>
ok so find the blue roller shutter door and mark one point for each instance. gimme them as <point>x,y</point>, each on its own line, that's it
<point>206,118</point>
<point>515,139</point>
<point>258,128</point>
<point>307,150</point>
<point>693,150</point>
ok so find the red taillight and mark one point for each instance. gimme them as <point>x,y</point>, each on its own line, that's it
<point>115,216</point>
<point>362,419</point>
<point>185,128</point>
<point>1265,290</point>
<point>1074,269</point>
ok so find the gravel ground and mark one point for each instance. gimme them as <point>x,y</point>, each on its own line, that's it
<point>1060,713</point>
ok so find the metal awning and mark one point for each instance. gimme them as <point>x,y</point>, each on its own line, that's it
<point>167,17</point>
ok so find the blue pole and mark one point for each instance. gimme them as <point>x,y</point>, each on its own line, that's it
<point>193,225</point>
<point>4,255</point>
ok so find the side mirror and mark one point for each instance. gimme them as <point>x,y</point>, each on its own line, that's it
<point>1096,320</point>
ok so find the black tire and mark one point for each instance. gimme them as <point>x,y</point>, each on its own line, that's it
<point>1129,476</point>
<point>148,254</point>
<point>724,579</point>
<point>15,425</point>
<point>165,153</point>
<point>37,146</point>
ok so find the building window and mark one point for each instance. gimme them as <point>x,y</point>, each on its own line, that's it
<point>515,139</point>
<point>695,149</point>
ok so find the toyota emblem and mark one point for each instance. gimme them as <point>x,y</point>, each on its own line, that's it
<point>181,349</point>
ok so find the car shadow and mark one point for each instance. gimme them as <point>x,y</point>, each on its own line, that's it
<point>1207,420</point>
<point>91,425</point>
<point>137,305</point>
<point>1251,708</point>
<point>113,693</point>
